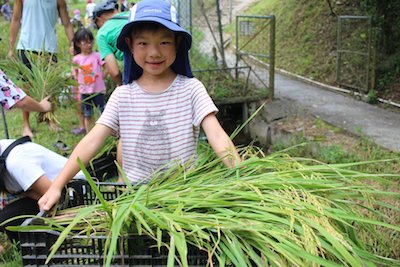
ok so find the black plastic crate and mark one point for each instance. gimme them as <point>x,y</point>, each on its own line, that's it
<point>82,250</point>
<point>103,168</point>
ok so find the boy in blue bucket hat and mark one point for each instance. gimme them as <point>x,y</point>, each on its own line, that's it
<point>167,16</point>
<point>158,116</point>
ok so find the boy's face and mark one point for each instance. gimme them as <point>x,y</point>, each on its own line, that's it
<point>154,51</point>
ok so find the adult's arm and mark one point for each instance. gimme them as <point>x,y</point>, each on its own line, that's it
<point>65,19</point>
<point>29,104</point>
<point>15,25</point>
<point>85,151</point>
<point>220,141</point>
<point>112,68</point>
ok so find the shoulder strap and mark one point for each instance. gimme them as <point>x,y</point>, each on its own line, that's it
<point>17,142</point>
<point>4,155</point>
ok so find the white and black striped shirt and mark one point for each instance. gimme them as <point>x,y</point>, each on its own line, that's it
<point>157,129</point>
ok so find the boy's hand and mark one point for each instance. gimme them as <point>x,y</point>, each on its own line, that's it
<point>49,199</point>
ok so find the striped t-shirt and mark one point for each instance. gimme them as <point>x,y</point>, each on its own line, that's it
<point>156,129</point>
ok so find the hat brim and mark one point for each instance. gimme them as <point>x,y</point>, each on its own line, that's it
<point>122,45</point>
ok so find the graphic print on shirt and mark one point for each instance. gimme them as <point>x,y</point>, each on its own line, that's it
<point>5,104</point>
<point>4,78</point>
<point>89,77</point>
<point>9,92</point>
<point>152,149</point>
<point>16,97</point>
<point>6,91</point>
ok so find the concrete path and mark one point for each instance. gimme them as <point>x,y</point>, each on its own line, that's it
<point>360,118</point>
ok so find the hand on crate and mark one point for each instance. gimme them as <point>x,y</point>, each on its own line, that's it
<point>50,198</point>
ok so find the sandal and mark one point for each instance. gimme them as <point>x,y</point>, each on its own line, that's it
<point>61,146</point>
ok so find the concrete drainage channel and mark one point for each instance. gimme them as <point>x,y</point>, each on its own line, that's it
<point>280,121</point>
<point>266,127</point>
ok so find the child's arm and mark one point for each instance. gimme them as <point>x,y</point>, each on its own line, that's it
<point>85,150</point>
<point>74,71</point>
<point>29,104</point>
<point>220,141</point>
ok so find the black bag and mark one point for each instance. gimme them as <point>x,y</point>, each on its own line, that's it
<point>4,155</point>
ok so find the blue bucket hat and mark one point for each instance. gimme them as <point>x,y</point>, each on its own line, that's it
<point>161,12</point>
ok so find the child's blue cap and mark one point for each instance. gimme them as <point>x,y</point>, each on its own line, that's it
<point>162,12</point>
<point>102,7</point>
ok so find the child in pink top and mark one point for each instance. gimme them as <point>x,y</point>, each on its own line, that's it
<point>89,75</point>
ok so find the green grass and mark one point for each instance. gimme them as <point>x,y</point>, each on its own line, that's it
<point>11,258</point>
<point>295,26</point>
<point>304,45</point>
<point>319,148</point>
<point>67,117</point>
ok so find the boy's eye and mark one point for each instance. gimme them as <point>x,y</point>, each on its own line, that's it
<point>165,42</point>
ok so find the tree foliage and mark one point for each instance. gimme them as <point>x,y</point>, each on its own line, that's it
<point>385,16</point>
<point>386,27</point>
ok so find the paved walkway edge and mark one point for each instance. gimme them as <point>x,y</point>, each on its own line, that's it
<point>322,85</point>
<point>330,87</point>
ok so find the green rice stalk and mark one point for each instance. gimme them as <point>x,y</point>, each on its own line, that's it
<point>45,78</point>
<point>271,210</point>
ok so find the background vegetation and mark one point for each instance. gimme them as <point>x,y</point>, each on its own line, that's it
<point>306,38</point>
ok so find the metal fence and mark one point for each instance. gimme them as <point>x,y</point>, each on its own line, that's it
<point>255,46</point>
<point>354,52</point>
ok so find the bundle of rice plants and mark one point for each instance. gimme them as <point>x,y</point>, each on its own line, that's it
<point>45,78</point>
<point>270,210</point>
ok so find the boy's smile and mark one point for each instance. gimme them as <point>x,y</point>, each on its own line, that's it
<point>154,51</point>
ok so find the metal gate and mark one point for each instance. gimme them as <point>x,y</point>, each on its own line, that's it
<point>255,45</point>
<point>228,78</point>
<point>353,65</point>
